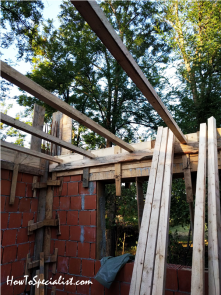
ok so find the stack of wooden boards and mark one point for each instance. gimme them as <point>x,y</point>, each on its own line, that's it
<point>150,263</point>
<point>149,267</point>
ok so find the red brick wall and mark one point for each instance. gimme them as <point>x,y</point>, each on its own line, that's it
<point>15,243</point>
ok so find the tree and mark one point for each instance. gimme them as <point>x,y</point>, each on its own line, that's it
<point>74,64</point>
<point>195,37</point>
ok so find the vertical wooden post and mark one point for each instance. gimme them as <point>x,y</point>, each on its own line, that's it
<point>14,179</point>
<point>117,150</point>
<point>41,274</point>
<point>140,200</point>
<point>66,132</point>
<point>101,239</point>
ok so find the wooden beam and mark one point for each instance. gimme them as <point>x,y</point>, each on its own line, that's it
<point>140,200</point>
<point>85,177</point>
<point>41,274</point>
<point>198,261</point>
<point>117,150</point>
<point>21,168</point>
<point>214,226</point>
<point>20,149</point>
<point>101,227</point>
<point>66,133</point>
<point>40,134</point>
<point>97,20</point>
<point>41,93</point>
<point>14,180</point>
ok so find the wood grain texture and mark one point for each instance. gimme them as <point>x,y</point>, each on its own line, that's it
<point>14,180</point>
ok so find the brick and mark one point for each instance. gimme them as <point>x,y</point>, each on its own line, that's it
<point>71,248</point>
<point>66,178</point>
<point>18,268</point>
<point>29,191</point>
<point>167,292</point>
<point>82,289</point>
<point>56,203</point>
<point>31,238</point>
<point>11,208</point>
<point>15,220</point>
<point>5,271</point>
<point>171,279</point>
<point>64,203</point>
<point>84,250</point>
<point>2,204</point>
<point>9,237</point>
<point>124,289</point>
<point>5,174</point>
<point>72,218</point>
<point>93,251</point>
<point>19,179</point>
<point>4,220</point>
<point>63,217</point>
<point>90,234</point>
<point>75,233</point>
<point>62,264</point>
<point>114,289</point>
<point>20,189</point>
<point>181,293</point>
<point>96,288</point>
<point>56,277</point>
<point>64,191</point>
<point>64,232</point>
<point>22,236</point>
<point>70,288</point>
<point>19,289</point>
<point>6,289</point>
<point>61,247</point>
<point>93,218</point>
<point>125,273</point>
<point>25,205</point>
<point>23,250</point>
<point>34,205</point>
<point>61,292</point>
<point>26,218</point>
<point>90,202</point>
<point>73,188</point>
<point>91,190</point>
<point>75,266</point>
<point>87,268</point>
<point>9,254</point>
<point>84,217</point>
<point>97,266</point>
<point>56,191</point>
<point>27,178</point>
<point>5,187</point>
<point>184,277</point>
<point>76,203</point>
<point>76,178</point>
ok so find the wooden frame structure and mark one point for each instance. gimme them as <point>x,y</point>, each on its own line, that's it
<point>177,157</point>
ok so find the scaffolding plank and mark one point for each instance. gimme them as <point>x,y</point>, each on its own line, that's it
<point>198,261</point>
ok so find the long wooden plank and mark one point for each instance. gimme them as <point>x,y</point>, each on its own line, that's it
<point>34,131</point>
<point>20,149</point>
<point>14,180</point>
<point>140,200</point>
<point>214,243</point>
<point>117,150</point>
<point>148,269</point>
<point>162,239</point>
<point>33,88</point>
<point>97,20</point>
<point>142,241</point>
<point>198,261</point>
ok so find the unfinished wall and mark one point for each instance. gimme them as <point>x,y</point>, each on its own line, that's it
<point>16,244</point>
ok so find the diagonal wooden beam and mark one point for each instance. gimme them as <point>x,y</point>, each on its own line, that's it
<point>44,95</point>
<point>21,149</point>
<point>34,131</point>
<point>97,20</point>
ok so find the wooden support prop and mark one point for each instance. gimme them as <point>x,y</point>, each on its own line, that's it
<point>85,177</point>
<point>198,261</point>
<point>117,150</point>
<point>28,260</point>
<point>47,259</point>
<point>20,149</point>
<point>162,239</point>
<point>97,20</point>
<point>47,222</point>
<point>142,241</point>
<point>22,168</point>
<point>53,270</point>
<point>140,200</point>
<point>149,262</point>
<point>214,226</point>
<point>14,180</point>
<point>33,88</point>
<point>35,180</point>
<point>101,237</point>
<point>67,133</point>
<point>53,292</point>
<point>37,290</point>
<point>34,131</point>
<point>41,274</point>
<point>38,185</point>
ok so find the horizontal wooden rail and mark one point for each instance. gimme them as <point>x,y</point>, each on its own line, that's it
<point>34,131</point>
<point>17,148</point>
<point>97,20</point>
<point>44,95</point>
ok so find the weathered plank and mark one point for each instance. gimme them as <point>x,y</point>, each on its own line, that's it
<point>142,241</point>
<point>67,133</point>
<point>162,239</point>
<point>198,261</point>
<point>21,168</point>
<point>101,238</point>
<point>40,134</point>
<point>14,180</point>
<point>187,178</point>
<point>85,177</point>
<point>41,93</point>
<point>140,200</point>
<point>117,150</point>
<point>214,238</point>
